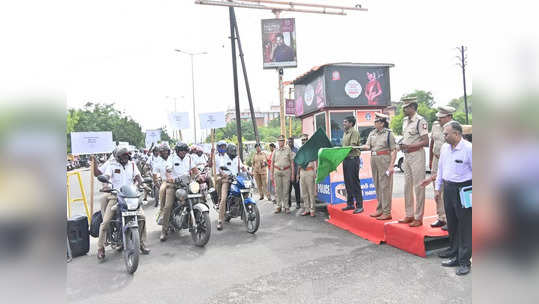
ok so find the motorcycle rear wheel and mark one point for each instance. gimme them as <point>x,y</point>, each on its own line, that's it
<point>201,235</point>
<point>131,254</point>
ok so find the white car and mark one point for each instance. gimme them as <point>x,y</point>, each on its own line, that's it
<point>399,160</point>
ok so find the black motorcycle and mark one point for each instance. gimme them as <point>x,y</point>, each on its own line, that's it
<point>123,232</point>
<point>190,210</point>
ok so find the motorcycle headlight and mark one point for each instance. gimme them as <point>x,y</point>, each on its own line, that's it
<point>194,187</point>
<point>247,184</point>
<point>132,203</point>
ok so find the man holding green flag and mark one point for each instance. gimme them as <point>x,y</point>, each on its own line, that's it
<point>351,138</point>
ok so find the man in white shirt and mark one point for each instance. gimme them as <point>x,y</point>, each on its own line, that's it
<point>221,158</point>
<point>159,174</point>
<point>180,164</point>
<point>199,158</point>
<point>455,172</point>
<point>233,165</point>
<point>121,171</point>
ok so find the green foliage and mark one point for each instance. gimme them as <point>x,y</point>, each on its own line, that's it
<point>458,104</point>
<point>423,97</point>
<point>104,117</point>
<point>267,134</point>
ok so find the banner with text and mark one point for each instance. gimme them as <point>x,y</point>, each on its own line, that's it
<point>91,143</point>
<point>214,120</point>
<point>179,120</point>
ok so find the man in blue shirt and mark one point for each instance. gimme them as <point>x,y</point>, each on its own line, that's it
<point>455,172</point>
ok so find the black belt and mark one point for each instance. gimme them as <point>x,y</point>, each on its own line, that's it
<point>459,184</point>
<point>352,157</point>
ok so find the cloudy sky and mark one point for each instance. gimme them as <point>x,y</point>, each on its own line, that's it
<point>123,52</point>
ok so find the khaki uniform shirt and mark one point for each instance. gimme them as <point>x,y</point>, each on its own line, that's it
<point>438,137</point>
<point>377,140</point>
<point>351,138</point>
<point>413,129</point>
<point>259,163</point>
<point>282,158</point>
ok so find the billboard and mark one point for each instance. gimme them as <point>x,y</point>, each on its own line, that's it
<point>358,86</point>
<point>279,43</point>
<point>310,97</point>
<point>290,107</point>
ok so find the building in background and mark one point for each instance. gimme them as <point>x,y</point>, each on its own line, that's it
<point>262,117</point>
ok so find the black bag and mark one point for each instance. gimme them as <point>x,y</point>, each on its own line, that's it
<point>77,235</point>
<point>97,219</point>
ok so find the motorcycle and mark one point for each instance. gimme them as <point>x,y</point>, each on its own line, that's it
<point>123,232</point>
<point>190,210</point>
<point>240,203</point>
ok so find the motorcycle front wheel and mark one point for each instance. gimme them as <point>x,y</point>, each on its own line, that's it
<point>201,235</point>
<point>252,218</point>
<point>131,252</point>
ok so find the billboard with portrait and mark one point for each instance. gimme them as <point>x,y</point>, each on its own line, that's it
<point>279,43</point>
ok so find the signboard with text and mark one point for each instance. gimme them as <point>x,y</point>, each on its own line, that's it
<point>91,143</point>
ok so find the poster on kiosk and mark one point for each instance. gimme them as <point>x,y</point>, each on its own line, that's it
<point>327,94</point>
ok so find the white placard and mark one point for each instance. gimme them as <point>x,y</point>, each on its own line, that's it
<point>179,120</point>
<point>152,137</point>
<point>91,143</point>
<point>123,144</point>
<point>214,120</point>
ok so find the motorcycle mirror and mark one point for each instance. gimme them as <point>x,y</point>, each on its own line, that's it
<point>103,179</point>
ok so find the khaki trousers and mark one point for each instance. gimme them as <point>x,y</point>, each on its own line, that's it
<point>282,185</point>
<point>382,182</point>
<point>170,197</point>
<point>162,196</point>
<point>440,210</point>
<point>107,217</point>
<point>414,174</point>
<point>262,184</point>
<point>222,204</point>
<point>308,188</point>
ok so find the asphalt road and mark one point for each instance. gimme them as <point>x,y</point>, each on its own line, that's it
<point>289,260</point>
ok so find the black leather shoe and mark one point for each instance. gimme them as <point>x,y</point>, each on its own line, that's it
<point>450,263</point>
<point>444,228</point>
<point>463,270</point>
<point>437,224</point>
<point>358,210</point>
<point>347,208</point>
<point>446,254</point>
<point>144,249</point>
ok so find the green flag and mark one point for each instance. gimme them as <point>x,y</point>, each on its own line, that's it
<point>309,151</point>
<point>329,159</point>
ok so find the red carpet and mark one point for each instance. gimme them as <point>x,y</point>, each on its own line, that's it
<point>410,239</point>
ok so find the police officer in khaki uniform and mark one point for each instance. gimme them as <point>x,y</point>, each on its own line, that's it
<point>381,143</point>
<point>415,133</point>
<point>445,115</point>
<point>308,184</point>
<point>260,164</point>
<point>282,170</point>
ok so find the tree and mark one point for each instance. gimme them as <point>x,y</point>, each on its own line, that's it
<point>458,104</point>
<point>104,117</point>
<point>267,134</point>
<point>425,102</point>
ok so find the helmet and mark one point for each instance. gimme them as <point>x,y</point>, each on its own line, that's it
<point>181,147</point>
<point>164,147</point>
<point>221,146</point>
<point>231,151</point>
<point>192,149</point>
<point>120,153</point>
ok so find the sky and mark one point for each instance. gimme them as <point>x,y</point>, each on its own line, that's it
<point>122,52</point>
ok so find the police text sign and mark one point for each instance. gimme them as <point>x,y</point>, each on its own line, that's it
<point>91,143</point>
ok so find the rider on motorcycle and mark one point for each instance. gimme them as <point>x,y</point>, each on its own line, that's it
<point>199,157</point>
<point>232,165</point>
<point>160,167</point>
<point>120,171</point>
<point>180,164</point>
<point>220,159</point>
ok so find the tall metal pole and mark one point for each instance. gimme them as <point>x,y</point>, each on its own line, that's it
<point>193,90</point>
<point>281,102</point>
<point>246,79</point>
<point>235,76</point>
<point>463,65</point>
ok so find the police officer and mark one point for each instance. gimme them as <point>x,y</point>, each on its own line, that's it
<point>415,137</point>
<point>120,171</point>
<point>444,115</point>
<point>220,159</point>
<point>351,166</point>
<point>282,169</point>
<point>308,184</point>
<point>381,143</point>
<point>159,173</point>
<point>233,165</point>
<point>180,164</point>
<point>260,164</point>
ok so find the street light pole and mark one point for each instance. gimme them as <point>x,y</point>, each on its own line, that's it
<point>193,86</point>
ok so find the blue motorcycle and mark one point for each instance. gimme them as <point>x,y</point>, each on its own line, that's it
<point>240,202</point>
